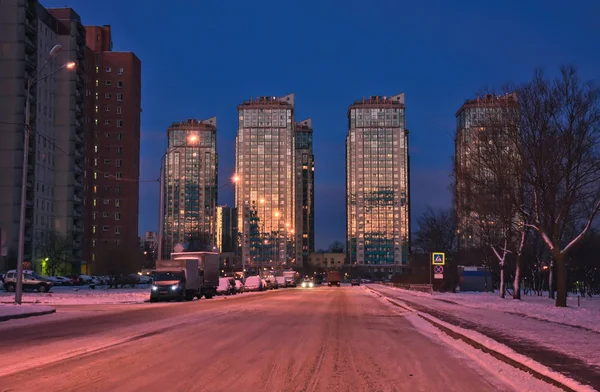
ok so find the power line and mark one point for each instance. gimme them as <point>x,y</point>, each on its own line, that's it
<point>88,166</point>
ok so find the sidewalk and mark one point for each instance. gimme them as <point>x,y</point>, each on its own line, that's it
<point>10,312</point>
<point>568,349</point>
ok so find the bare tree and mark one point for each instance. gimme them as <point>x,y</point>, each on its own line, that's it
<point>336,247</point>
<point>437,231</point>
<point>560,138</point>
<point>55,250</point>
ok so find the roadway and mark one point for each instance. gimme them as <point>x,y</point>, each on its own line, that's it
<point>285,340</point>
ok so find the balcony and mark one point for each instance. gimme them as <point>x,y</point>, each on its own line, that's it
<point>30,10</point>
<point>30,62</point>
<point>30,27</point>
<point>29,45</point>
<point>77,199</point>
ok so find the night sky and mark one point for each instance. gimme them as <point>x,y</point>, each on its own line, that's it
<point>202,58</point>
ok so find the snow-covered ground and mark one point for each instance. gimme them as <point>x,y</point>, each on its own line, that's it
<point>13,310</point>
<point>586,315</point>
<point>565,340</point>
<point>82,295</point>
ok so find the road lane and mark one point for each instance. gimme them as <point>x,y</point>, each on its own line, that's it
<point>292,340</point>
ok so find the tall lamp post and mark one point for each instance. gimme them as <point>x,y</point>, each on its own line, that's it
<point>30,83</point>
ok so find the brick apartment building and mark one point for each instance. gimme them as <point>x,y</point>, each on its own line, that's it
<point>113,150</point>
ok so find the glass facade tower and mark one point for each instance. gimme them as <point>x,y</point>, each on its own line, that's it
<point>190,186</point>
<point>264,192</point>
<point>305,192</point>
<point>377,184</point>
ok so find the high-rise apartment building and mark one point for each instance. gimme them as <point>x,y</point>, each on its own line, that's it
<point>114,156</point>
<point>54,197</point>
<point>190,184</point>
<point>377,184</point>
<point>70,134</point>
<point>226,229</point>
<point>473,118</point>
<point>305,192</point>
<point>264,192</point>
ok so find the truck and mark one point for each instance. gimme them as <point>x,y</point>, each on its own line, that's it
<point>291,278</point>
<point>334,278</point>
<point>185,276</point>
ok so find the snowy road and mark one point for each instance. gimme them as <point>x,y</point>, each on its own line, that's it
<point>343,339</point>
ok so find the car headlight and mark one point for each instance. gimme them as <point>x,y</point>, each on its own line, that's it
<point>154,288</point>
<point>310,285</point>
<point>175,287</point>
<point>303,284</point>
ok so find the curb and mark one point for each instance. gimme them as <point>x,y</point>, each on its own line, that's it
<point>26,315</point>
<point>499,356</point>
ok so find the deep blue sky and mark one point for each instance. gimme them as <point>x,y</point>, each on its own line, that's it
<point>201,58</point>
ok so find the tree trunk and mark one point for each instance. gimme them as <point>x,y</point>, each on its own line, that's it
<point>550,288</point>
<point>517,282</point>
<point>561,281</point>
<point>502,282</point>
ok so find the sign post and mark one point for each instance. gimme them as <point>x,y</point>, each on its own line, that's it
<point>438,260</point>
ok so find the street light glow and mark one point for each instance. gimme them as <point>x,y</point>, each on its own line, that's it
<point>193,138</point>
<point>235,178</point>
<point>70,65</point>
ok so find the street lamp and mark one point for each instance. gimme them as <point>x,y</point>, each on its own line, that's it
<point>161,200</point>
<point>56,49</point>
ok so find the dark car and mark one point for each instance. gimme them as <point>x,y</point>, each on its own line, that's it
<point>355,282</point>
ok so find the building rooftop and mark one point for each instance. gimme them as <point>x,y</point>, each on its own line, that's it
<point>193,123</point>
<point>304,125</point>
<point>489,100</point>
<point>288,100</point>
<point>378,101</point>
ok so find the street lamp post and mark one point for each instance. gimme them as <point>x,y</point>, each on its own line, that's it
<point>161,206</point>
<point>30,83</point>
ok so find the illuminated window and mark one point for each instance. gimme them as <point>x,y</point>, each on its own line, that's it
<point>95,189</point>
<point>95,202</point>
<point>97,83</point>
<point>93,229</point>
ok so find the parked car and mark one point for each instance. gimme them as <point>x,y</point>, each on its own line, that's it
<point>31,281</point>
<point>239,286</point>
<point>254,283</point>
<point>355,282</point>
<point>224,287</point>
<point>281,281</point>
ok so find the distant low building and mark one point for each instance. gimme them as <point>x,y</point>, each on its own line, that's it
<point>327,259</point>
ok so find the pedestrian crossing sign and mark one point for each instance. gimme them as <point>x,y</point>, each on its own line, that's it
<point>438,258</point>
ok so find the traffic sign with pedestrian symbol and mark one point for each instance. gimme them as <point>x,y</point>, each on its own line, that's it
<point>438,258</point>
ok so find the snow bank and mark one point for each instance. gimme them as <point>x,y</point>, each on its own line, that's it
<point>9,310</point>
